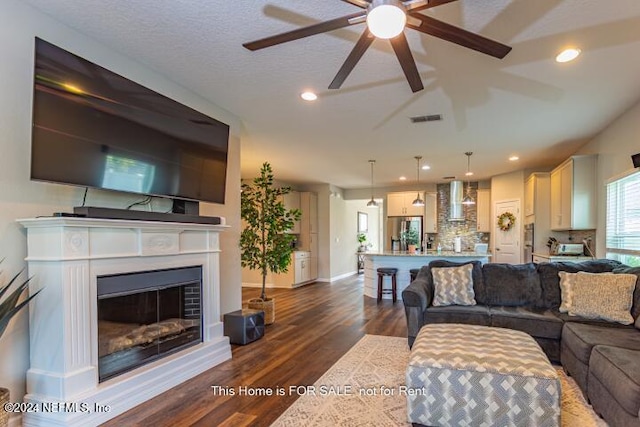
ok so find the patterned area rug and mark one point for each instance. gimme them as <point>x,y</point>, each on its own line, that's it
<point>364,388</point>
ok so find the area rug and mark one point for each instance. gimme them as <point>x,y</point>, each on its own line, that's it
<point>363,389</point>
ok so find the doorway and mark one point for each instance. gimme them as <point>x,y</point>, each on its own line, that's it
<point>507,242</point>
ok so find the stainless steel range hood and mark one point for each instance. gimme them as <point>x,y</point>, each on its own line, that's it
<point>456,195</point>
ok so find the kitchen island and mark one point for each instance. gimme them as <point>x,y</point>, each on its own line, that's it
<point>404,262</point>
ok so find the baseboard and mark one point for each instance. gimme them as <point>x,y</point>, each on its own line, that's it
<point>343,276</point>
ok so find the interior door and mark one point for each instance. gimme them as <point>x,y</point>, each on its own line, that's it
<point>507,243</point>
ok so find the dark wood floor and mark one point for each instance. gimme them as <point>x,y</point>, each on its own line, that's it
<point>315,325</point>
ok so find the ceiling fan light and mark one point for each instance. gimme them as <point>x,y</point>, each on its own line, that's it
<point>386,19</point>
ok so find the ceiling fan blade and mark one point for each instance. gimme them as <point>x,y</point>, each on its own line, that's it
<point>359,49</point>
<point>432,3</point>
<point>360,3</point>
<point>311,30</point>
<point>459,36</point>
<point>408,64</point>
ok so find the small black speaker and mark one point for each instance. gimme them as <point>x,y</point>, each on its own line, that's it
<point>244,326</point>
<point>636,160</point>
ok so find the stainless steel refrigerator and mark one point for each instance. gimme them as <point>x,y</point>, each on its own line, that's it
<point>396,227</point>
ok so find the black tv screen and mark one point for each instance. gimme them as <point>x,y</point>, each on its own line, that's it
<point>95,128</point>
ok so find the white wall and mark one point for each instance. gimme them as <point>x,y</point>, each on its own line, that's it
<point>614,147</point>
<point>21,198</point>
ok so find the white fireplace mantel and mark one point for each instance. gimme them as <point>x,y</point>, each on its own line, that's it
<point>65,257</point>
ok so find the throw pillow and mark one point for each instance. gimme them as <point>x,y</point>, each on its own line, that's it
<point>512,285</point>
<point>453,285</point>
<point>603,296</point>
<point>635,308</point>
<point>567,280</point>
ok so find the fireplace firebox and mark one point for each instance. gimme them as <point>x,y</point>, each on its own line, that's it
<point>144,316</point>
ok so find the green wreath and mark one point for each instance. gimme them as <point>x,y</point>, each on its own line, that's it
<point>506,221</point>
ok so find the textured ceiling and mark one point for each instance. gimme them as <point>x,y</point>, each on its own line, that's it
<point>525,104</point>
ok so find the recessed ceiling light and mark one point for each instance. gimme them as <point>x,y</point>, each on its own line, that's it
<point>514,158</point>
<point>568,55</point>
<point>469,173</point>
<point>426,167</point>
<point>403,178</point>
<point>308,96</point>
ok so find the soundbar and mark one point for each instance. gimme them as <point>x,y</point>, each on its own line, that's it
<point>126,214</point>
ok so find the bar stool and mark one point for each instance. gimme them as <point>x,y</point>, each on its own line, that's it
<point>414,273</point>
<point>382,272</point>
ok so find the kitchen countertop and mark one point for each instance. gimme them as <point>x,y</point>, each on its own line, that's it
<point>429,254</point>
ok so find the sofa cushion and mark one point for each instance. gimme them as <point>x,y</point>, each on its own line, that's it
<point>537,322</point>
<point>550,281</point>
<point>478,279</point>
<point>453,285</point>
<point>637,324</point>
<point>512,285</point>
<point>580,338</point>
<point>618,370</point>
<point>635,309</point>
<point>470,315</point>
<point>603,296</point>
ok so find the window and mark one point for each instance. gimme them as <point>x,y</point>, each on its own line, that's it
<point>623,219</point>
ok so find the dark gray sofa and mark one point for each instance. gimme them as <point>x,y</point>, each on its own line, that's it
<point>603,357</point>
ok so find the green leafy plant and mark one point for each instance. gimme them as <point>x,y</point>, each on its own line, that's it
<point>410,236</point>
<point>9,306</point>
<point>362,238</point>
<point>264,243</point>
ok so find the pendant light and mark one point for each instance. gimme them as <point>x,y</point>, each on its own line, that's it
<point>468,200</point>
<point>372,203</point>
<point>418,201</point>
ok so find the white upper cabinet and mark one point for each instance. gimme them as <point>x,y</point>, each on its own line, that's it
<point>431,212</point>
<point>399,204</point>
<point>483,215</point>
<point>573,194</point>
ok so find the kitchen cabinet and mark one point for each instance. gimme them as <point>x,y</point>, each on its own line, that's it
<point>573,194</point>
<point>291,200</point>
<point>483,213</point>
<point>308,238</point>
<point>299,272</point>
<point>431,213</point>
<point>538,207</point>
<point>399,204</point>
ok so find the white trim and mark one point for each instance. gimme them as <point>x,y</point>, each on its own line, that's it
<point>622,176</point>
<point>343,276</point>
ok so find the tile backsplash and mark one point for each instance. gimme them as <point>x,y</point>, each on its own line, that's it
<point>449,230</point>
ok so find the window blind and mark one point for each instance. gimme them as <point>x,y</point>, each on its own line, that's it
<point>623,219</point>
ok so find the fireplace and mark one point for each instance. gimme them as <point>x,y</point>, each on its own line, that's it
<point>128,310</point>
<point>145,316</point>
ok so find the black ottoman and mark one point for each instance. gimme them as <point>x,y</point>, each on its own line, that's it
<point>244,326</point>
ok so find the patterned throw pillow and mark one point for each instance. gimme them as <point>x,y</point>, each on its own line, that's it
<point>453,285</point>
<point>566,290</point>
<point>603,296</point>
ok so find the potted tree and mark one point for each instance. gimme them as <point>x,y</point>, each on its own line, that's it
<point>264,242</point>
<point>9,307</point>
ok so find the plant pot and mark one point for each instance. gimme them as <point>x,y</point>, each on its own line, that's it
<point>4,399</point>
<point>412,249</point>
<point>267,305</point>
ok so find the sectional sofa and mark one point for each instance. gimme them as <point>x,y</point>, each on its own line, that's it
<point>603,356</point>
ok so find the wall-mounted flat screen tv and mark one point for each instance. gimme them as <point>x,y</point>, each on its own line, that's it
<point>95,128</point>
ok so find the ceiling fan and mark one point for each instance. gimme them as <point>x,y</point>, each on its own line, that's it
<point>380,15</point>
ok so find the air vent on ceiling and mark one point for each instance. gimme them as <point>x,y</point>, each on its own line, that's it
<point>429,118</point>
<point>448,177</point>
